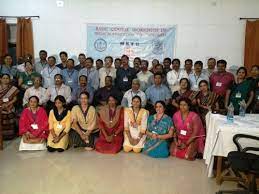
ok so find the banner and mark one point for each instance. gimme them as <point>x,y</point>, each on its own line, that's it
<point>147,42</point>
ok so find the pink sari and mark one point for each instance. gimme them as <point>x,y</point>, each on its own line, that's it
<point>40,118</point>
<point>191,127</point>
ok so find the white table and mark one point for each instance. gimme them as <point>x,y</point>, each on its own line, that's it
<point>219,138</point>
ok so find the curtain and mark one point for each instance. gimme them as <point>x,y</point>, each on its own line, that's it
<point>24,37</point>
<point>3,39</point>
<point>251,44</point>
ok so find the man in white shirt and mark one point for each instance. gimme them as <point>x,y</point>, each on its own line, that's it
<point>175,75</point>
<point>35,90</point>
<point>59,89</point>
<point>197,76</point>
<point>49,72</point>
<point>188,66</point>
<point>134,91</point>
<point>107,70</point>
<point>144,76</point>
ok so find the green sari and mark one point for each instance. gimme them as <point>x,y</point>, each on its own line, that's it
<point>238,93</point>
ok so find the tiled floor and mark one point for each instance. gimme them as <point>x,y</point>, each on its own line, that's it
<point>81,172</point>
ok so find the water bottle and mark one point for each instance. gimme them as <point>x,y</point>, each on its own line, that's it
<point>242,108</point>
<point>230,114</point>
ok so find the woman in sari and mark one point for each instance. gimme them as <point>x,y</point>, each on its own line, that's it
<point>84,128</point>
<point>241,90</point>
<point>111,125</point>
<point>159,130</point>
<point>206,100</point>
<point>135,125</point>
<point>184,91</point>
<point>59,126</point>
<point>33,126</point>
<point>8,96</point>
<point>255,108</point>
<point>190,135</point>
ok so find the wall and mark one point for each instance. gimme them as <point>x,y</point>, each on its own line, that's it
<point>205,27</point>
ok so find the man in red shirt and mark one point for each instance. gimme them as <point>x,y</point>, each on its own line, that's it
<point>221,81</point>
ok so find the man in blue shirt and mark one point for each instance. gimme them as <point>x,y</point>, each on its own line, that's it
<point>125,75</point>
<point>82,87</point>
<point>91,73</point>
<point>158,91</point>
<point>70,75</point>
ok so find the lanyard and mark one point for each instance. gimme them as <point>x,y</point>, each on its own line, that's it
<point>196,78</point>
<point>70,74</point>
<point>158,121</point>
<point>49,72</point>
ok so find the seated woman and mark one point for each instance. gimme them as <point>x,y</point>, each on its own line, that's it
<point>8,96</point>
<point>159,130</point>
<point>135,125</point>
<point>190,133</point>
<point>26,78</point>
<point>184,92</point>
<point>111,125</point>
<point>242,89</point>
<point>33,126</point>
<point>59,126</point>
<point>84,128</point>
<point>206,100</point>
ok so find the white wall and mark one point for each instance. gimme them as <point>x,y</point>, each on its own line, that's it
<point>205,27</point>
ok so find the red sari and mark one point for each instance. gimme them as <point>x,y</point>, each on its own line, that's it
<point>191,127</point>
<point>28,118</point>
<point>112,124</point>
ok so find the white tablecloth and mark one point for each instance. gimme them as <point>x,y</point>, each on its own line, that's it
<point>219,138</point>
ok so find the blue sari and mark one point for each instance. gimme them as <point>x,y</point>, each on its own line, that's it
<point>158,148</point>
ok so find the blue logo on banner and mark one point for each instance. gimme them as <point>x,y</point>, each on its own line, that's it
<point>100,45</point>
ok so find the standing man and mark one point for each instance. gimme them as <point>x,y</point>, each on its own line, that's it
<point>99,64</point>
<point>125,75</point>
<point>91,73</point>
<point>63,58</point>
<point>81,59</point>
<point>144,76</point>
<point>40,65</point>
<point>136,64</point>
<point>117,63</point>
<point>107,70</point>
<point>167,65</point>
<point>221,81</point>
<point>49,72</point>
<point>211,67</point>
<point>197,76</point>
<point>188,66</point>
<point>175,75</point>
<point>70,75</point>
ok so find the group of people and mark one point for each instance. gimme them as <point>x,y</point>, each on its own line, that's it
<point>158,110</point>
